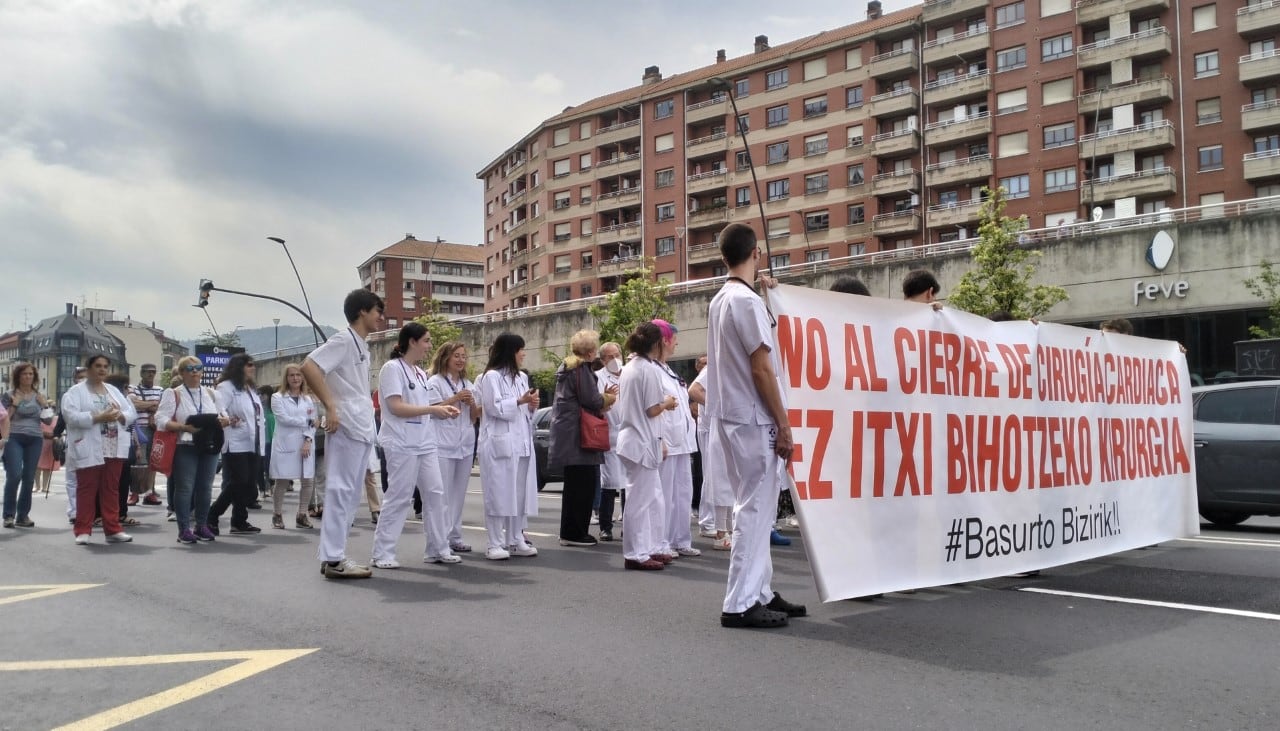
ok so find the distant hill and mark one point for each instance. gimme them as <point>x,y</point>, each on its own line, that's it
<point>263,339</point>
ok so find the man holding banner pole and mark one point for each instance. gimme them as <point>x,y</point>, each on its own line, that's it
<point>745,400</point>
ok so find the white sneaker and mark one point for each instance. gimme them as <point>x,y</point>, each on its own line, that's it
<point>524,550</point>
<point>120,537</point>
<point>386,563</point>
<point>170,517</point>
<point>595,519</point>
<point>707,532</point>
<point>82,539</point>
<point>496,554</point>
<point>690,551</point>
<point>346,569</point>
<point>448,558</point>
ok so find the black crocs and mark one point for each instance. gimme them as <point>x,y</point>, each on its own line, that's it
<point>778,604</point>
<point>757,617</point>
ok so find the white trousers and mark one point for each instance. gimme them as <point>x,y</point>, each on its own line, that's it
<point>455,473</point>
<point>404,472</point>
<point>755,473</point>
<point>677,483</point>
<point>71,493</point>
<point>508,530</point>
<point>644,519</point>
<point>345,462</point>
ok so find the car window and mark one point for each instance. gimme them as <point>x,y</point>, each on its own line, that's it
<point>1239,406</point>
<point>544,420</point>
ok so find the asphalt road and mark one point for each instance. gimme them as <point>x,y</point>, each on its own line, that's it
<point>568,640</point>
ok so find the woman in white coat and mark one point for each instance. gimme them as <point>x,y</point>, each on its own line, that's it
<point>680,437</point>
<point>456,437</point>
<point>293,454</point>
<point>507,473</point>
<point>98,418</point>
<point>246,441</point>
<point>408,439</point>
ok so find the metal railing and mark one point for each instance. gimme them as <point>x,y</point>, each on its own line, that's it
<point>1108,42</point>
<point>708,138</point>
<point>1256,7</point>
<point>979,31</point>
<point>1148,127</point>
<point>895,93</point>
<point>961,161</point>
<point>948,122</point>
<point>939,83</point>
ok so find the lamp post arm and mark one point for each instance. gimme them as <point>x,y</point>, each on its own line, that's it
<point>305,299</point>
<point>755,182</point>
<point>319,333</point>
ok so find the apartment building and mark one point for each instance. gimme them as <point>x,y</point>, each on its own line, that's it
<point>411,271</point>
<point>881,134</point>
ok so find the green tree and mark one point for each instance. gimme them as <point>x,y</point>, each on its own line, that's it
<point>1001,279</point>
<point>225,340</point>
<point>442,331</point>
<point>544,380</point>
<point>1266,286</point>
<point>639,299</point>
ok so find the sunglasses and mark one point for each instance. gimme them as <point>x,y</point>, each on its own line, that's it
<point>192,369</point>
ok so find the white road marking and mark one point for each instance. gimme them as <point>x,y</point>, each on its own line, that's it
<point>528,532</point>
<point>1153,603</point>
<point>1225,541</point>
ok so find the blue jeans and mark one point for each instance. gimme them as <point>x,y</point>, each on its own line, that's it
<point>21,456</point>
<point>192,477</point>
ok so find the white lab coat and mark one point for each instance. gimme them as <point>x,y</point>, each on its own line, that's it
<point>84,438</point>
<point>506,436</point>
<point>294,423</point>
<point>612,474</point>
<point>250,434</point>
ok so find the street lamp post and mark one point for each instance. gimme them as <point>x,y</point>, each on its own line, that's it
<point>276,320</point>
<point>718,83</point>
<point>305,299</point>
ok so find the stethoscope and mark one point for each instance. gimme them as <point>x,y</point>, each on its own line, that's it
<point>357,342</point>
<point>409,379</point>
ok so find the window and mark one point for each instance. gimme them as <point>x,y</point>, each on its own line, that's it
<point>777,116</point>
<point>778,189</point>
<point>1011,58</point>
<point>853,58</point>
<point>1054,7</point>
<point>743,160</point>
<point>744,123</point>
<point>776,153</point>
<point>664,108</point>
<point>666,211</point>
<point>815,106</point>
<point>584,161</point>
<point>560,137</point>
<point>948,198</point>
<point>1238,406</point>
<point>742,197</point>
<point>854,175</point>
<point>815,68</point>
<point>666,245</point>
<point>584,130</point>
<point>561,264</point>
<point>1204,17</point>
<point>584,195</point>
<point>1058,91</point>
<point>663,178</point>
<point>1209,111</point>
<point>561,200</point>
<point>815,144</point>
<point>1013,14</point>
<point>1266,143</point>
<point>563,231</point>
<point>587,290</point>
<point>1211,158</point>
<point>1011,144</point>
<point>817,221</point>
<point>563,294</point>
<point>409,304</point>
<point>409,266</point>
<point>408,286</point>
<point>1017,186</point>
<point>742,87</point>
<point>560,168</point>
<point>818,255</point>
<point>1206,64</point>
<point>585,228</point>
<point>778,261</point>
<point>1011,101</point>
<point>664,143</point>
<point>779,227</point>
<point>1059,135</point>
<point>857,214</point>
<point>853,97</point>
<point>853,136</point>
<point>1057,181</point>
<point>816,183</point>
<point>1055,48</point>
<point>776,79</point>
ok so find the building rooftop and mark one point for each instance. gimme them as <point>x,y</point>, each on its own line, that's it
<point>412,248</point>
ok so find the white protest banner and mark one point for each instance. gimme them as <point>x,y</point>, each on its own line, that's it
<point>935,447</point>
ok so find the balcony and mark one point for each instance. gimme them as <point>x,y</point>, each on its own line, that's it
<point>894,143</point>
<point>893,63</point>
<point>1088,11</point>
<point>518,167</point>
<point>706,110</point>
<point>894,183</point>
<point>954,172</point>
<point>1145,183</point>
<point>526,287</point>
<point>1259,66</point>
<point>950,131</point>
<point>709,180</point>
<point>618,198</point>
<point>618,133</point>
<point>703,253</point>
<point>522,228</point>
<point>1151,136</point>
<point>898,222</point>
<point>621,265</point>
<point>954,214</point>
<point>1258,18</point>
<point>942,91</point>
<point>1259,165</point>
<point>619,232</point>
<point>936,11</point>
<point>897,102</point>
<point>519,256</point>
<point>1138,91</point>
<point>1143,44</point>
<point>710,217</point>
<point>1263,115</point>
<point>709,145</point>
<point>947,48</point>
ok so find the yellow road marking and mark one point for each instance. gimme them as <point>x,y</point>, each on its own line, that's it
<point>40,591</point>
<point>252,663</point>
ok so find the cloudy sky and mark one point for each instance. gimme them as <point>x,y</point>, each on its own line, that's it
<point>145,144</point>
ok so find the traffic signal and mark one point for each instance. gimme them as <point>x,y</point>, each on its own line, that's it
<point>206,287</point>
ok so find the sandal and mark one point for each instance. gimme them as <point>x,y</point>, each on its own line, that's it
<point>302,522</point>
<point>277,521</point>
<point>130,521</point>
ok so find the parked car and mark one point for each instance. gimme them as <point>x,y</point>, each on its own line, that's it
<point>542,446</point>
<point>1237,443</point>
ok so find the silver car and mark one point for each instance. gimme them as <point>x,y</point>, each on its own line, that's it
<point>1237,443</point>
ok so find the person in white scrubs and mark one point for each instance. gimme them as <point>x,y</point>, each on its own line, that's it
<point>679,436</point>
<point>717,495</point>
<point>455,437</point>
<point>613,478</point>
<point>508,475</point>
<point>642,399</point>
<point>408,439</point>
<point>338,374</point>
<point>293,454</point>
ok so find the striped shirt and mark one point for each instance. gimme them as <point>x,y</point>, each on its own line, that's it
<point>145,393</point>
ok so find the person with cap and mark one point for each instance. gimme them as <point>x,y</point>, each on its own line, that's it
<point>679,434</point>
<point>196,413</point>
<point>145,396</point>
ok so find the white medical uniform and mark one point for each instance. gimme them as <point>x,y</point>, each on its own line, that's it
<point>344,360</point>
<point>640,447</point>
<point>717,493</point>
<point>612,475</point>
<point>507,473</point>
<point>455,450</point>
<point>295,422</point>
<point>737,326</point>
<point>409,444</point>
<point>676,473</point>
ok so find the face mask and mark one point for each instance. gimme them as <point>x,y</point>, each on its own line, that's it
<point>614,366</point>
